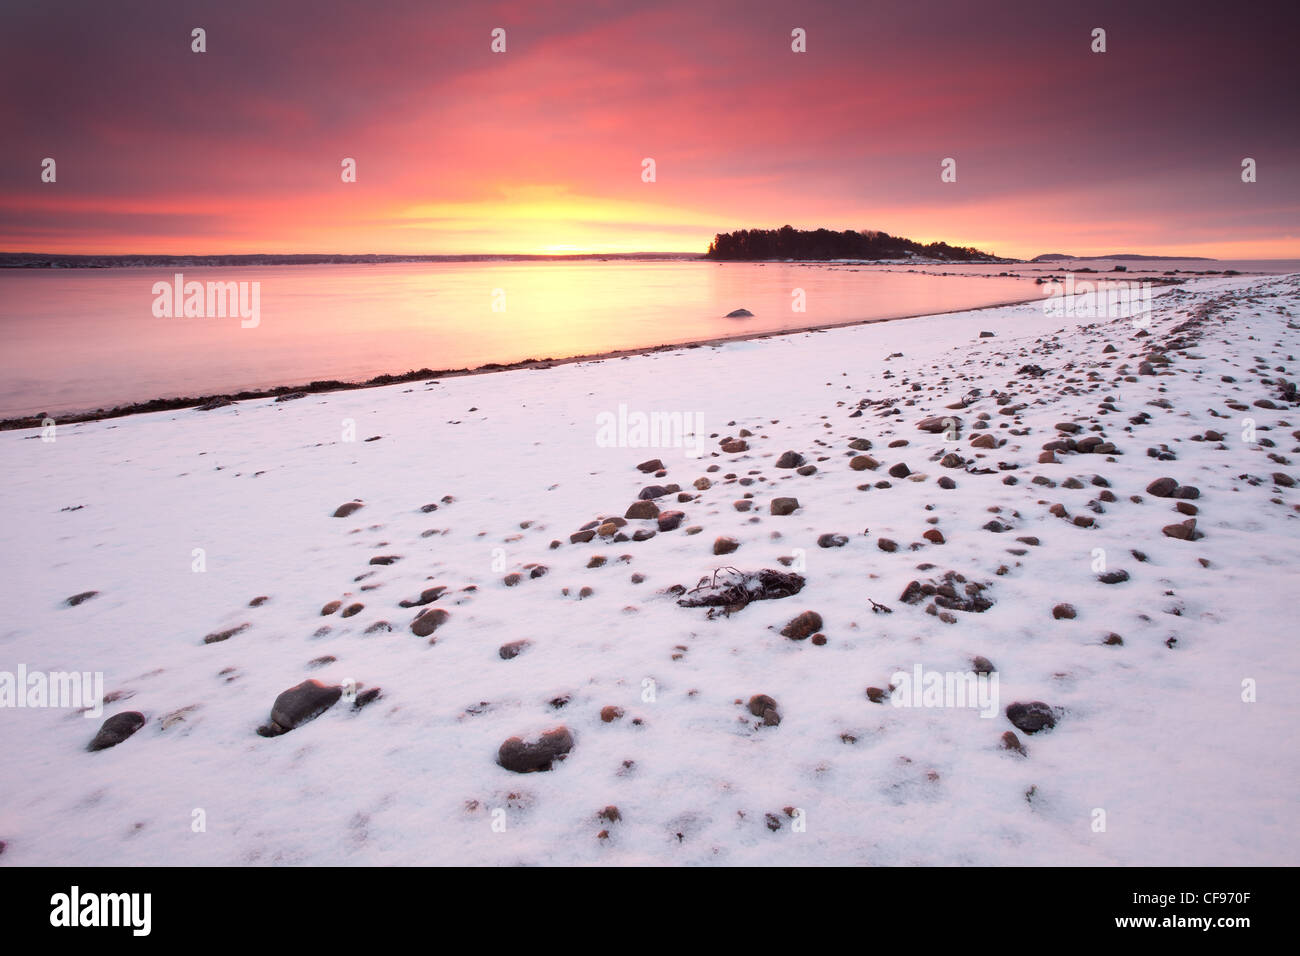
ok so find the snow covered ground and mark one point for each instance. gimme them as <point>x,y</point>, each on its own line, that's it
<point>1153,732</point>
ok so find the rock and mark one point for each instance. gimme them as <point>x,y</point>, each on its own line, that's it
<point>1031,717</point>
<point>299,704</point>
<point>807,623</point>
<point>429,621</point>
<point>1047,458</point>
<point>982,665</point>
<point>1113,639</point>
<point>725,545</point>
<point>343,510</point>
<point>670,520</point>
<point>760,705</point>
<point>952,460</point>
<point>116,729</point>
<point>899,471</point>
<point>887,545</point>
<point>512,650</point>
<point>80,598</point>
<point>520,757</point>
<point>353,609</point>
<point>863,463</point>
<point>947,483</point>
<point>984,440</point>
<point>734,447</point>
<point>1183,530</point>
<point>934,536</point>
<point>1187,492</point>
<point>877,695</point>
<point>703,484</point>
<point>642,509</point>
<point>427,596</point>
<point>1064,612</point>
<point>218,636</point>
<point>581,537</point>
<point>609,713</point>
<point>860,444</point>
<point>1162,487</point>
<point>791,459</point>
<point>829,540</point>
<point>987,335</point>
<point>1011,742</point>
<point>1118,576</point>
<point>330,607</point>
<point>740,314</point>
<point>1283,479</point>
<point>937,423</point>
<point>784,506</point>
<point>653,491</point>
<point>654,464</point>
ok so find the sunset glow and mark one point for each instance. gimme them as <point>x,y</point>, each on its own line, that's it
<point>539,149</point>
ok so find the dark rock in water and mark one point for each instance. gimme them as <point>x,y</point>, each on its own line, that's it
<point>947,483</point>
<point>654,464</point>
<point>1064,612</point>
<point>291,396</point>
<point>512,650</point>
<point>829,540</point>
<point>530,757</point>
<point>116,729</point>
<point>214,403</point>
<point>784,506</point>
<point>1162,488</point>
<point>652,491</point>
<point>80,598</point>
<point>1283,479</point>
<point>1187,492</point>
<point>740,314</point>
<point>429,621</point>
<point>1118,576</point>
<point>863,463</point>
<point>899,471</point>
<point>343,510</point>
<point>731,588</point>
<point>801,627</point>
<point>877,695</point>
<point>299,704</point>
<point>1031,717</point>
<point>982,665</point>
<point>735,447</point>
<point>987,335</point>
<point>760,705</point>
<point>791,459</point>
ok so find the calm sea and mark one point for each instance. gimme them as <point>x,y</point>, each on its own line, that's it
<point>83,339</point>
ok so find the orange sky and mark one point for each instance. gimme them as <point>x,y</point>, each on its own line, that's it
<point>539,149</point>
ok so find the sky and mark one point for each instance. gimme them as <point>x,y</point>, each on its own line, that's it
<point>540,149</point>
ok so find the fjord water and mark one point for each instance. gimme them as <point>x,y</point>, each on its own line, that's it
<point>84,339</point>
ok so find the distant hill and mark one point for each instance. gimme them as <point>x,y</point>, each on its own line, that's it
<point>1057,257</point>
<point>46,260</point>
<point>823,244</point>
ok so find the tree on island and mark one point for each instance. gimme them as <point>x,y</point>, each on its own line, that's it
<point>790,243</point>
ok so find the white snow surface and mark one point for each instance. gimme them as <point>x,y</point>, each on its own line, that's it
<point>1158,737</point>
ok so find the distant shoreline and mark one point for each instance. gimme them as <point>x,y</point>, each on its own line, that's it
<point>425,374</point>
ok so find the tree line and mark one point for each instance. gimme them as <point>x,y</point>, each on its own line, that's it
<point>790,243</point>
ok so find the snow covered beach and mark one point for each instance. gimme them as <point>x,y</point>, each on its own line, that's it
<point>181,521</point>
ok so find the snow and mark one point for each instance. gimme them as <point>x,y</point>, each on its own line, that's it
<point>1158,737</point>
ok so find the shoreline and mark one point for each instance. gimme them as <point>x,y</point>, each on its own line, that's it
<point>220,399</point>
